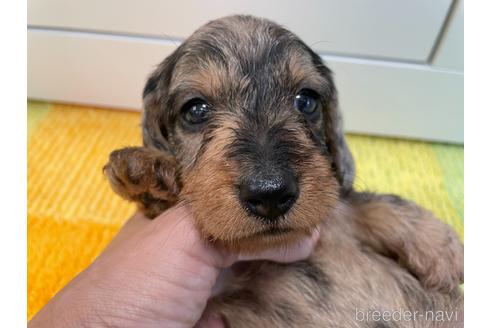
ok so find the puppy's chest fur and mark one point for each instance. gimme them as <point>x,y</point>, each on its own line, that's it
<point>341,285</point>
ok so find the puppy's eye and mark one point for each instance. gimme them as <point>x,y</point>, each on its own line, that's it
<point>306,102</point>
<point>196,111</point>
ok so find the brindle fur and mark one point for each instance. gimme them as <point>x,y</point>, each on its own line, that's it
<point>376,252</point>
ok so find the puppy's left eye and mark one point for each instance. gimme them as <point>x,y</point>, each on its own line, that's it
<point>306,102</point>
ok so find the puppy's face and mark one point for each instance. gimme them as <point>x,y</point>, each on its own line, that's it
<point>248,111</point>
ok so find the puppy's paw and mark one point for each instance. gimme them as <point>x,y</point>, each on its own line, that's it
<point>423,244</point>
<point>437,259</point>
<point>144,175</point>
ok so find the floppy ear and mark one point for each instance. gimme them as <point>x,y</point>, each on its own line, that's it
<point>148,175</point>
<point>335,139</point>
<point>155,115</point>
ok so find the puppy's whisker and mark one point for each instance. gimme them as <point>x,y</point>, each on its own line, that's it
<point>320,41</point>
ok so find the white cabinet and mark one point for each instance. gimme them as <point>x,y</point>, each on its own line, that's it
<point>450,52</point>
<point>383,28</point>
<point>396,62</point>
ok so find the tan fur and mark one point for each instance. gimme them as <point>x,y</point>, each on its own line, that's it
<point>376,252</point>
<point>275,295</point>
<point>221,219</point>
<point>426,245</point>
<point>138,173</point>
<point>301,70</point>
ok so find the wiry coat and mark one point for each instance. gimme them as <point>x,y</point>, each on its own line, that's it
<point>376,252</point>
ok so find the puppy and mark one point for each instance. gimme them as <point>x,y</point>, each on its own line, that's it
<point>241,122</point>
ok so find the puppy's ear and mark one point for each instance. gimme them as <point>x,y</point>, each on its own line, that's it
<point>337,146</point>
<point>334,137</point>
<point>156,114</point>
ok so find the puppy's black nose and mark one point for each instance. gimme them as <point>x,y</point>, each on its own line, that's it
<point>269,196</point>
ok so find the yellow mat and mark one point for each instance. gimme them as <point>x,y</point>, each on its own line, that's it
<point>73,214</point>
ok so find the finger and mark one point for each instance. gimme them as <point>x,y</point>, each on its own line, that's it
<point>139,221</point>
<point>296,252</point>
<point>135,223</point>
<point>209,320</point>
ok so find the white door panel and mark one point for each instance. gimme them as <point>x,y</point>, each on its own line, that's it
<point>450,53</point>
<point>376,97</point>
<point>397,29</point>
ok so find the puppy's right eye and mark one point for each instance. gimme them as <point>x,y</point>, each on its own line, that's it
<point>196,111</point>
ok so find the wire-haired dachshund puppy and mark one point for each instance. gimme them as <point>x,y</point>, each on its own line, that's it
<point>241,123</point>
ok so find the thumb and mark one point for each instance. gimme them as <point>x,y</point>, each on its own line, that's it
<point>291,253</point>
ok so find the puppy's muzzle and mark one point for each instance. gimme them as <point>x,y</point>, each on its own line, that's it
<point>269,196</point>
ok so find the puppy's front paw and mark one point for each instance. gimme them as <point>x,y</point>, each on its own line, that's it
<point>423,244</point>
<point>144,175</point>
<point>437,260</point>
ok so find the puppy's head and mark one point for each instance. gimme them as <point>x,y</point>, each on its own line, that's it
<point>250,114</point>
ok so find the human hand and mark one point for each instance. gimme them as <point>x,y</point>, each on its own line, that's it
<point>155,273</point>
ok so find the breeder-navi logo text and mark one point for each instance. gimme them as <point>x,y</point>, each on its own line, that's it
<point>405,315</point>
